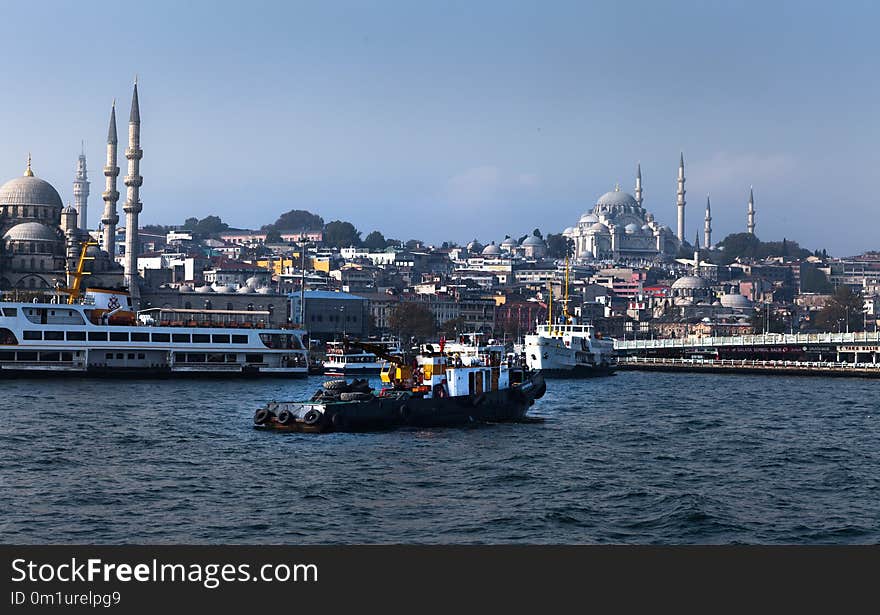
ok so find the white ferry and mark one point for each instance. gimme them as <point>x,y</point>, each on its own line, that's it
<point>569,350</point>
<point>102,336</point>
<point>343,359</point>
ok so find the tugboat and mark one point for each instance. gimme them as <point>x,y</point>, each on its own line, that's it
<point>431,391</point>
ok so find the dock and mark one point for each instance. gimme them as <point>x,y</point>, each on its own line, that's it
<point>752,366</point>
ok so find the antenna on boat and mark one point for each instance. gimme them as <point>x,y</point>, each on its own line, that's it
<point>565,302</point>
<point>550,306</point>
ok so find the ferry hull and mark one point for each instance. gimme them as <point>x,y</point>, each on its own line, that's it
<point>378,413</point>
<point>55,371</point>
<point>580,371</point>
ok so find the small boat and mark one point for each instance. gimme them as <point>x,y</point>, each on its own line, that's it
<point>569,351</point>
<point>432,390</point>
<point>343,359</point>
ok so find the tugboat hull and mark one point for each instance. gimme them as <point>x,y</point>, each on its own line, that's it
<point>398,410</point>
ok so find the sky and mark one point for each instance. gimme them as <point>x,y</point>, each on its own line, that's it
<point>455,120</point>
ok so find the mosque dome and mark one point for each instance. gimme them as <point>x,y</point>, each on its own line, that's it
<point>631,229</point>
<point>252,281</point>
<point>616,199</point>
<point>599,227</point>
<point>647,228</point>
<point>690,282</point>
<point>509,242</point>
<point>491,250</point>
<point>30,231</point>
<point>185,288</point>
<point>532,240</point>
<point>264,291</point>
<point>245,290</point>
<point>474,247</point>
<point>223,288</point>
<point>205,289</point>
<point>29,190</point>
<point>568,231</point>
<point>589,218</point>
<point>735,301</point>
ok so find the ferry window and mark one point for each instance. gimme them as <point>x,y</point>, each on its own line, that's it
<point>201,338</point>
<point>230,358</point>
<point>119,336</point>
<point>10,312</point>
<point>50,356</point>
<point>33,335</point>
<point>221,339</point>
<point>253,358</point>
<point>215,358</point>
<point>53,335</point>
<point>239,339</point>
<point>141,355</point>
<point>161,337</point>
<point>7,356</point>
<point>27,356</point>
<point>97,336</point>
<point>76,336</point>
<point>182,338</point>
<point>67,356</point>
<point>109,355</point>
<point>195,358</point>
<point>131,355</point>
<point>140,337</point>
<point>120,356</point>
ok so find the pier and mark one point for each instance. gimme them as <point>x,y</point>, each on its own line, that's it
<point>752,366</point>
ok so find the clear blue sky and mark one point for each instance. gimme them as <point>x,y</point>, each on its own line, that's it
<point>453,120</point>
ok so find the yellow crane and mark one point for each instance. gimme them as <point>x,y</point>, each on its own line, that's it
<point>76,285</point>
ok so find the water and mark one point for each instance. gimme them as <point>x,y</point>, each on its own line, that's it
<point>639,458</point>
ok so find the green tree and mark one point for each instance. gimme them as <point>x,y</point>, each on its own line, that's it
<point>453,327</point>
<point>814,281</point>
<point>375,241</point>
<point>297,220</point>
<point>341,234</point>
<point>559,246</point>
<point>211,225</point>
<point>411,319</point>
<point>844,311</point>
<point>273,236</point>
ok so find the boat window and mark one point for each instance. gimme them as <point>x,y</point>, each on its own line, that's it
<point>201,338</point>
<point>239,339</point>
<point>138,336</point>
<point>131,355</point>
<point>27,356</point>
<point>108,355</point>
<point>253,358</point>
<point>53,335</point>
<point>194,358</point>
<point>10,312</point>
<point>67,356</point>
<point>180,338</point>
<point>161,337</point>
<point>221,339</point>
<point>216,358</point>
<point>141,355</point>
<point>50,356</point>
<point>7,337</point>
<point>33,335</point>
<point>7,356</point>
<point>97,336</point>
<point>231,358</point>
<point>120,356</point>
<point>119,336</point>
<point>76,336</point>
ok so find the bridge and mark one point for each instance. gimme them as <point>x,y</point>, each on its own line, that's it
<point>857,348</point>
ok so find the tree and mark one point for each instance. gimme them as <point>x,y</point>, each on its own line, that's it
<point>375,241</point>
<point>273,236</point>
<point>206,227</point>
<point>814,281</point>
<point>341,234</point>
<point>451,328</point>
<point>844,311</point>
<point>768,320</point>
<point>297,220</point>
<point>411,319</point>
<point>537,233</point>
<point>559,246</point>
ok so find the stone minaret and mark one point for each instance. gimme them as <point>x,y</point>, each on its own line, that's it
<point>81,191</point>
<point>707,228</point>
<point>133,206</point>
<point>697,255</point>
<point>751,218</point>
<point>110,196</point>
<point>639,198</point>
<point>680,202</point>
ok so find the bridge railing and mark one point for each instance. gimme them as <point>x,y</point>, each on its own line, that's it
<point>748,363</point>
<point>768,339</point>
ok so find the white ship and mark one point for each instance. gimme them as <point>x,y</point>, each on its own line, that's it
<point>343,359</point>
<point>569,350</point>
<point>101,336</point>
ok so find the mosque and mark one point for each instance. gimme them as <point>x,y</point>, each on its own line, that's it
<point>42,239</point>
<point>618,228</point>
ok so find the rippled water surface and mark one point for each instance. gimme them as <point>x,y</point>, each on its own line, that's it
<point>634,458</point>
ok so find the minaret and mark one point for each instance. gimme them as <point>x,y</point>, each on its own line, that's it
<point>751,218</point>
<point>707,228</point>
<point>81,190</point>
<point>110,196</point>
<point>681,202</point>
<point>28,172</point>
<point>639,198</point>
<point>697,255</point>
<point>133,206</point>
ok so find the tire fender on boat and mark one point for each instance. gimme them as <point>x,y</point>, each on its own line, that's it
<point>285,417</point>
<point>261,416</point>
<point>312,417</point>
<point>403,412</point>
<point>339,420</point>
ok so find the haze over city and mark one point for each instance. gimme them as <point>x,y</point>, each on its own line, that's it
<point>453,121</point>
